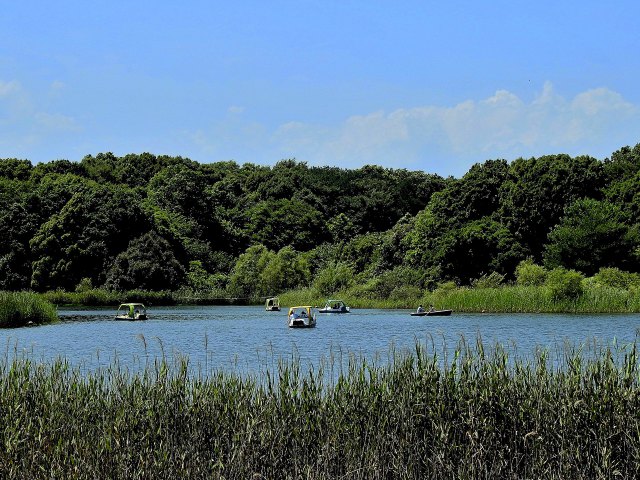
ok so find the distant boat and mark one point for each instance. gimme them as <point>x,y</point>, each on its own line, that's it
<point>272,304</point>
<point>302,317</point>
<point>131,311</point>
<point>432,313</point>
<point>335,306</point>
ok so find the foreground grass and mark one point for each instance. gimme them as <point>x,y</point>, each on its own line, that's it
<point>473,415</point>
<point>18,309</point>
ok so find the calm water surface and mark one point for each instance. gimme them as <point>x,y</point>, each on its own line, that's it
<point>248,339</point>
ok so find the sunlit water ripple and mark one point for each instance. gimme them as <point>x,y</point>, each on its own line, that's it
<point>250,340</point>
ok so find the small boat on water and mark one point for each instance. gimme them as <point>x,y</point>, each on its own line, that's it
<point>302,317</point>
<point>432,313</point>
<point>272,304</point>
<point>131,311</point>
<point>335,306</point>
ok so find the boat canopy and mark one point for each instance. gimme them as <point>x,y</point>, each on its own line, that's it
<point>130,308</point>
<point>272,302</point>
<point>335,303</point>
<point>297,311</point>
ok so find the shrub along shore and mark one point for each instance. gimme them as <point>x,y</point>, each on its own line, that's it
<point>503,299</point>
<point>534,290</point>
<point>18,309</point>
<point>475,414</point>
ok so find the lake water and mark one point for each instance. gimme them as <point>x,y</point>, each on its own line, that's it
<point>248,339</point>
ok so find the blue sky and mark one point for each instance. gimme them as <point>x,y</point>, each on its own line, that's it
<point>422,85</point>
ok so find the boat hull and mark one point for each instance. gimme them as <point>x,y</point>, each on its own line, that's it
<point>333,310</point>
<point>130,319</point>
<point>301,324</point>
<point>435,313</point>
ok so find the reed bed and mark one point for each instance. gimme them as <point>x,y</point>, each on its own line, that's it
<point>18,309</point>
<point>504,299</point>
<point>519,299</point>
<point>101,298</point>
<point>472,414</point>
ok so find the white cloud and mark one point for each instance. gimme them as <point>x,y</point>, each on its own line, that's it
<point>26,122</point>
<point>235,109</point>
<point>9,88</point>
<point>501,126</point>
<point>56,122</point>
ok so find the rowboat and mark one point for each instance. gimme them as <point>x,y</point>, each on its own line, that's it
<point>432,313</point>
<point>335,306</point>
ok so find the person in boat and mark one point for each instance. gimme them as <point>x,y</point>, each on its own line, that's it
<point>293,316</point>
<point>420,309</point>
<point>431,309</point>
<point>136,314</point>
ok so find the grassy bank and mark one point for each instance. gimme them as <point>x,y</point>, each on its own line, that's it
<point>504,299</point>
<point>18,309</point>
<point>104,298</point>
<point>507,299</point>
<point>476,414</point>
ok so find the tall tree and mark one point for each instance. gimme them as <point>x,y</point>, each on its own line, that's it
<point>538,190</point>
<point>148,263</point>
<point>591,235</point>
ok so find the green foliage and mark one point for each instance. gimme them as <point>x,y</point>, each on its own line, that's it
<point>148,264</point>
<point>84,285</point>
<point>591,235</point>
<point>14,169</point>
<point>81,240</point>
<point>538,190</point>
<point>18,309</point>
<point>479,246</point>
<point>285,270</point>
<point>493,280</point>
<point>446,287</point>
<point>333,278</point>
<point>616,278</point>
<point>199,280</point>
<point>18,224</point>
<point>564,284</point>
<point>528,274</point>
<point>477,412</point>
<point>284,222</point>
<point>244,280</point>
<point>400,282</point>
<point>65,221</point>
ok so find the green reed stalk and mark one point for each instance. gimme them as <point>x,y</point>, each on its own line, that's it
<point>476,413</point>
<point>18,309</point>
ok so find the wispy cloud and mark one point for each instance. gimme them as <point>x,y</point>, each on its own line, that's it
<point>26,122</point>
<point>501,126</point>
<point>8,88</point>
<point>56,122</point>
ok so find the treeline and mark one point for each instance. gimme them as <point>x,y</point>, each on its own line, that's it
<point>167,223</point>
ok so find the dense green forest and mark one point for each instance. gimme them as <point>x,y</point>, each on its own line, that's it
<point>168,223</point>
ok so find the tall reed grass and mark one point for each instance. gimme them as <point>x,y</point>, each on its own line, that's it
<point>100,297</point>
<point>505,299</point>
<point>474,414</point>
<point>18,309</point>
